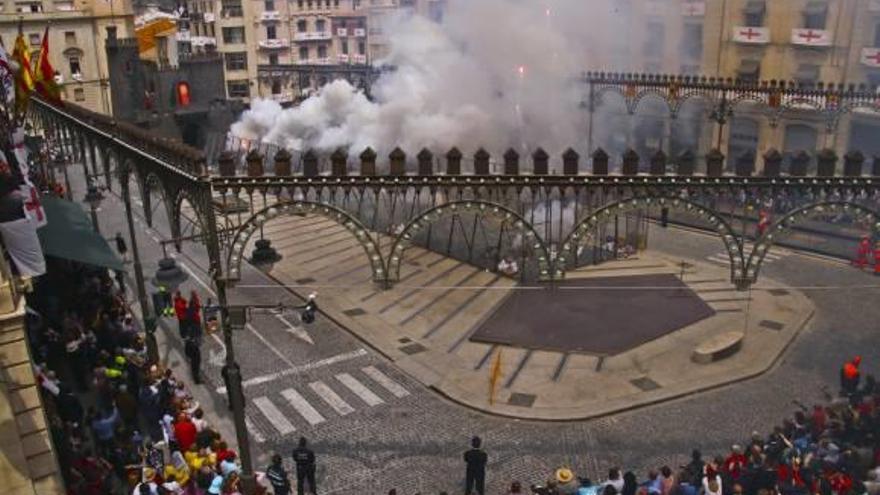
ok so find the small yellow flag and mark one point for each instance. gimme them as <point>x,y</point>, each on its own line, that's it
<point>494,377</point>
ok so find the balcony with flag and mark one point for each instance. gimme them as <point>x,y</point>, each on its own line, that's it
<point>751,35</point>
<point>811,37</point>
<point>274,44</point>
<point>871,57</point>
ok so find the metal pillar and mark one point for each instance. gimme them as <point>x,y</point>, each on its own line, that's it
<point>146,313</point>
<point>233,372</point>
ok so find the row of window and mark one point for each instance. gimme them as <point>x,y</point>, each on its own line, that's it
<point>815,14</point>
<point>317,4</point>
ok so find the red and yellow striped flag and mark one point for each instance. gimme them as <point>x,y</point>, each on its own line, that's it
<point>44,73</point>
<point>24,79</point>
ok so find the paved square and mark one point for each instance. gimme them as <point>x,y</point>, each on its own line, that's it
<point>600,322</point>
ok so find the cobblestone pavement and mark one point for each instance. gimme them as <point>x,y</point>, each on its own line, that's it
<point>399,434</point>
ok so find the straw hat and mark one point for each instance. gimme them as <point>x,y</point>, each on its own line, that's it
<point>564,475</point>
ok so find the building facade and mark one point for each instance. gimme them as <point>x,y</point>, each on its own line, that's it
<point>77,36</point>
<point>801,42</point>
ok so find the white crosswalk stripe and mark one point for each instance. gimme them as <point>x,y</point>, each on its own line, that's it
<point>382,379</point>
<point>302,406</point>
<point>254,431</point>
<point>359,389</point>
<point>331,398</point>
<point>276,417</point>
<point>722,258</point>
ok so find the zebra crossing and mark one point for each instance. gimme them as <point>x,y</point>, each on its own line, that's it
<point>315,402</point>
<point>722,258</point>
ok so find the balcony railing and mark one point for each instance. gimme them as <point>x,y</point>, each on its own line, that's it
<point>811,37</point>
<point>182,36</point>
<point>202,41</point>
<point>270,16</point>
<point>208,17</point>
<point>274,44</point>
<point>312,36</point>
<point>314,61</point>
<point>232,12</point>
<point>341,32</point>
<point>360,32</point>
<point>358,59</point>
<point>343,58</point>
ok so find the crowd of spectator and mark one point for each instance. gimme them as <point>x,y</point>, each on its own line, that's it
<point>119,423</point>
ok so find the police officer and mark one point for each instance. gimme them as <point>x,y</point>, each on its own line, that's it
<point>278,477</point>
<point>475,475</point>
<point>305,467</point>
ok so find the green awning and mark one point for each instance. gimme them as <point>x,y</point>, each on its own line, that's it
<point>69,235</point>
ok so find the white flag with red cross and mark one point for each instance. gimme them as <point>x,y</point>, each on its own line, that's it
<point>751,35</point>
<point>811,37</point>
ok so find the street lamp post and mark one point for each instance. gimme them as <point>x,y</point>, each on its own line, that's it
<point>236,393</point>
<point>94,198</point>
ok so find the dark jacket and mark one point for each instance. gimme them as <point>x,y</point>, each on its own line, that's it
<point>476,460</point>
<point>304,458</point>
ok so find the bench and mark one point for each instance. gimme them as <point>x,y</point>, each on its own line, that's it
<point>718,347</point>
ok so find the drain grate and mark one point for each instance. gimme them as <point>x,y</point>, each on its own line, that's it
<point>302,281</point>
<point>771,325</point>
<point>413,348</point>
<point>521,400</point>
<point>404,340</point>
<point>778,292</point>
<point>354,312</point>
<point>645,384</point>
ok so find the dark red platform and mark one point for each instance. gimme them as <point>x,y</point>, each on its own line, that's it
<point>601,322</point>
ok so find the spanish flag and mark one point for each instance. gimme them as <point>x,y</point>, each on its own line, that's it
<point>24,79</point>
<point>44,74</point>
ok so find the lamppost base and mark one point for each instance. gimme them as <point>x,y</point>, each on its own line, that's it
<point>169,275</point>
<point>264,253</point>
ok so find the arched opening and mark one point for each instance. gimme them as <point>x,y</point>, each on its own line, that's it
<point>485,234</point>
<point>570,254</point>
<point>259,220</point>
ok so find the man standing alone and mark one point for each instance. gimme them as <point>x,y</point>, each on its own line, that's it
<point>475,476</point>
<point>305,467</point>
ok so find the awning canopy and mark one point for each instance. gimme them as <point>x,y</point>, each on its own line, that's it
<point>755,7</point>
<point>69,235</point>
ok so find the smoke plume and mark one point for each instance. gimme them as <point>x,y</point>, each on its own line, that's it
<point>494,73</point>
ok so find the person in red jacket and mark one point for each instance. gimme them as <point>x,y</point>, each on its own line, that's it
<point>763,222</point>
<point>180,306</point>
<point>850,376</point>
<point>184,432</point>
<point>735,462</point>
<point>862,253</point>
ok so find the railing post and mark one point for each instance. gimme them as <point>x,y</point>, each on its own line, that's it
<point>658,163</point>
<point>570,162</point>
<point>600,162</point>
<point>827,160</point>
<point>481,162</point>
<point>714,163</point>
<point>226,163</point>
<point>799,164</point>
<point>254,163</point>
<point>398,162</point>
<point>686,163</point>
<point>368,162</point>
<point>745,164</point>
<point>310,163</point>
<point>852,164</point>
<point>511,162</point>
<point>282,163</point>
<point>772,163</point>
<point>339,163</point>
<point>426,162</point>
<point>540,162</point>
<point>453,162</point>
<point>630,162</point>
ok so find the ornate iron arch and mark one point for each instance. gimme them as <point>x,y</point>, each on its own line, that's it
<point>693,96</point>
<point>151,181</point>
<point>633,105</point>
<point>782,226</point>
<point>583,229</point>
<point>293,207</point>
<point>403,240</point>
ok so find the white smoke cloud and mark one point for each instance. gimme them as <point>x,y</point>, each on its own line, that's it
<point>495,73</point>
